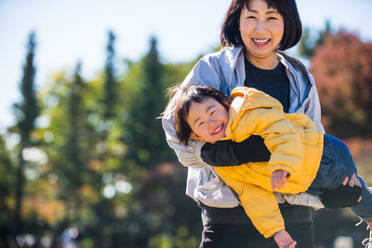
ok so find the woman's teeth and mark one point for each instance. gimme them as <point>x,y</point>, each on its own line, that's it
<point>260,41</point>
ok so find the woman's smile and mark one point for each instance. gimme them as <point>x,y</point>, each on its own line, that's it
<point>259,42</point>
<point>261,28</point>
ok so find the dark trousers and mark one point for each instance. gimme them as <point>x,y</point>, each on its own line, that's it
<point>298,222</point>
<point>336,164</point>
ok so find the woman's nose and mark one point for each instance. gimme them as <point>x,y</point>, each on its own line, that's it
<point>260,26</point>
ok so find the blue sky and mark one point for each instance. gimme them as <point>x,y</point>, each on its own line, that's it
<point>72,30</point>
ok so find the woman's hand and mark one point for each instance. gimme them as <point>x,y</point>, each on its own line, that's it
<point>347,195</point>
<point>278,179</point>
<point>354,181</point>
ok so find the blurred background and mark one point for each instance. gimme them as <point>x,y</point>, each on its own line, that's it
<point>83,159</point>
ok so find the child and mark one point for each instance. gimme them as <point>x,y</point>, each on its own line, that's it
<point>302,158</point>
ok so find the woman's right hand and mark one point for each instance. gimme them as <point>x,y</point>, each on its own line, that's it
<point>354,181</point>
<point>346,195</point>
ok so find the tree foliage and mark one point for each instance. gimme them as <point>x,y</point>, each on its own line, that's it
<point>100,163</point>
<point>310,42</point>
<point>26,113</point>
<point>110,82</point>
<point>142,132</point>
<point>7,179</point>
<point>343,72</point>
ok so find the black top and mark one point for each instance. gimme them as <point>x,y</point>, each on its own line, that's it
<point>273,82</point>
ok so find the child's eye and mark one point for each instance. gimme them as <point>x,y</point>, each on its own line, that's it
<point>251,17</point>
<point>201,123</point>
<point>212,112</point>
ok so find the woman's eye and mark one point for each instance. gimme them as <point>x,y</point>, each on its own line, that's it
<point>273,18</point>
<point>201,123</point>
<point>212,112</point>
<point>251,17</point>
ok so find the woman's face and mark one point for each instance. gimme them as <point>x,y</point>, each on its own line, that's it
<point>208,120</point>
<point>261,29</point>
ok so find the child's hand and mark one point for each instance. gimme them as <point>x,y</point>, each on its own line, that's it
<point>284,240</point>
<point>278,179</point>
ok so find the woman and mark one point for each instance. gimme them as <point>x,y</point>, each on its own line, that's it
<point>253,35</point>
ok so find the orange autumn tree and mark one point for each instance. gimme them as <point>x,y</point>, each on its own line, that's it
<point>342,68</point>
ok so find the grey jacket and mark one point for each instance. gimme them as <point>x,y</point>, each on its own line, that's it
<point>225,70</point>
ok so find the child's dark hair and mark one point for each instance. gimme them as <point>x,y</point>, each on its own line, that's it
<point>181,97</point>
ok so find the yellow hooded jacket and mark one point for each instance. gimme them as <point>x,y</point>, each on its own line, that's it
<point>295,145</point>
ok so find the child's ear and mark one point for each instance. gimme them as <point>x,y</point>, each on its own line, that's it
<point>194,136</point>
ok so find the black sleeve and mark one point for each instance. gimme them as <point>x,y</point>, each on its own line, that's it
<point>227,153</point>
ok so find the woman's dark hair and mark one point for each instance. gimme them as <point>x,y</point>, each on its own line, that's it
<point>230,33</point>
<point>181,97</point>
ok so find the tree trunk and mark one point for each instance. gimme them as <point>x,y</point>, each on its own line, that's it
<point>17,222</point>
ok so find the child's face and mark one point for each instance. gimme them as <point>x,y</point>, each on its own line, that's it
<point>208,120</point>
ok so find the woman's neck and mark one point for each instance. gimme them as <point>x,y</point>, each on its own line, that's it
<point>266,63</point>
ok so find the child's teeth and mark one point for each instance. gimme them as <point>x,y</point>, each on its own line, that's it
<point>218,129</point>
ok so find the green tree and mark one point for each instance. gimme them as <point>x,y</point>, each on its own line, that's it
<point>71,147</point>
<point>309,43</point>
<point>305,46</point>
<point>81,157</point>
<point>110,81</point>
<point>143,133</point>
<point>26,113</point>
<point>154,219</point>
<point>90,181</point>
<point>7,174</point>
<point>107,138</point>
